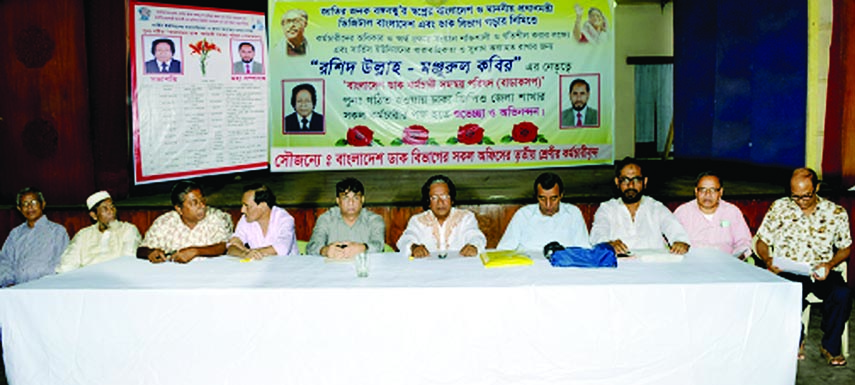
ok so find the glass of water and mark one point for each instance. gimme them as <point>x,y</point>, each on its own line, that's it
<point>361,262</point>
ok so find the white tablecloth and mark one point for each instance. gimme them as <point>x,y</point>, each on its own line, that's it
<point>301,320</point>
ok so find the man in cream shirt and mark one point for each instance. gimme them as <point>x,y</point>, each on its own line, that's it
<point>106,239</point>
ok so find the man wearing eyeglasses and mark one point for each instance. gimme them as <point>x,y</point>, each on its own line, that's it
<point>712,222</point>
<point>192,229</point>
<point>809,229</point>
<point>635,221</point>
<point>33,248</point>
<point>349,230</point>
<point>441,227</point>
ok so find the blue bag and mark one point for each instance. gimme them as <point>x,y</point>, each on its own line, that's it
<point>601,255</point>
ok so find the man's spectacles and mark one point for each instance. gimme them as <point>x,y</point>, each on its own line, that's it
<point>635,179</point>
<point>802,197</point>
<point>34,202</point>
<point>708,190</point>
<point>436,198</point>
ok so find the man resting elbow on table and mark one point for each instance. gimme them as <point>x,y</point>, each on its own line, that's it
<point>192,230</point>
<point>264,229</point>
<point>343,232</point>
<point>636,221</point>
<point>441,227</point>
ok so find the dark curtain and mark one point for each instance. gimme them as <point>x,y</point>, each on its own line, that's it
<point>838,156</point>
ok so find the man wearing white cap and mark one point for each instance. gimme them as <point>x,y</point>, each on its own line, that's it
<point>108,238</point>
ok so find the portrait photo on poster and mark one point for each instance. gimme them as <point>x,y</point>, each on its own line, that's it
<point>303,106</point>
<point>580,100</point>
<point>162,54</point>
<point>247,56</point>
<point>294,41</point>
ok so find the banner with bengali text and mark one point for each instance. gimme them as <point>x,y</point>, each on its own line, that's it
<point>440,84</point>
<point>199,91</point>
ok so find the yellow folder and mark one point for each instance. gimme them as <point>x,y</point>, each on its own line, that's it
<point>502,258</point>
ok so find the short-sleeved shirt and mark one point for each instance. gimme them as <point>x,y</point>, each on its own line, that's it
<point>369,228</point>
<point>170,234</point>
<point>805,238</point>
<point>280,233</point>
<point>725,229</point>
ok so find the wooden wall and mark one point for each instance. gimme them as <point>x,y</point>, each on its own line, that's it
<point>492,218</point>
<point>44,116</point>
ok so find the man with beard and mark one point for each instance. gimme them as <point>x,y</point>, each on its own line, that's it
<point>635,221</point>
<point>580,114</point>
<point>348,230</point>
<point>712,222</point>
<point>550,220</point>
<point>247,63</point>
<point>192,229</point>
<point>108,238</point>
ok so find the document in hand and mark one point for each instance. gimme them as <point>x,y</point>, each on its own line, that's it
<point>502,258</point>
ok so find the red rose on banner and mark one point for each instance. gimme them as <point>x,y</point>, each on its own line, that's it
<point>415,134</point>
<point>470,134</point>
<point>359,136</point>
<point>524,132</point>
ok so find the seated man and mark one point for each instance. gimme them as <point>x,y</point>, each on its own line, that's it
<point>807,228</point>
<point>264,229</point>
<point>33,248</point>
<point>348,230</point>
<point>712,222</point>
<point>636,221</point>
<point>108,238</point>
<point>441,227</point>
<point>534,226</point>
<point>192,230</point>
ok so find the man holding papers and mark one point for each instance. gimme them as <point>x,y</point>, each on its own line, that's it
<point>809,229</point>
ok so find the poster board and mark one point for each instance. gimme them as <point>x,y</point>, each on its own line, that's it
<point>440,84</point>
<point>198,91</point>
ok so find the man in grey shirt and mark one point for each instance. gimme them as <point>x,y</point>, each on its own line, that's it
<point>350,230</point>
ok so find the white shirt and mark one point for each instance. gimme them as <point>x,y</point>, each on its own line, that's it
<point>458,230</point>
<point>529,229</point>
<point>653,220</point>
<point>90,245</point>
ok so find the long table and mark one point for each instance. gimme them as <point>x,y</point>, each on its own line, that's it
<point>708,319</point>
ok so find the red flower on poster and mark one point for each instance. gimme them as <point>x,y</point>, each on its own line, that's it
<point>470,133</point>
<point>524,132</point>
<point>415,135</point>
<point>360,136</point>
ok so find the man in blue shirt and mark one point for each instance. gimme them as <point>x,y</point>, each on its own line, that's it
<point>33,248</point>
<point>550,220</point>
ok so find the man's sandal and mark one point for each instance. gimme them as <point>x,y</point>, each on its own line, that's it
<point>838,360</point>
